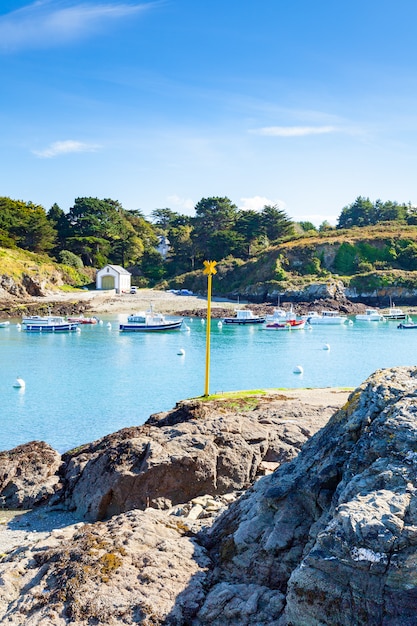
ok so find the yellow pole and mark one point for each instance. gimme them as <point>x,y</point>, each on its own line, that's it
<point>208,325</point>
<point>209,270</point>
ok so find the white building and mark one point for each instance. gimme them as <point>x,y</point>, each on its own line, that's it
<point>113,277</point>
<point>163,246</point>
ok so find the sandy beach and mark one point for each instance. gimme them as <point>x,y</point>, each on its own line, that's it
<point>162,301</point>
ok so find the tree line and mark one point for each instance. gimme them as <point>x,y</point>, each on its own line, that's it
<point>95,232</point>
<point>362,212</point>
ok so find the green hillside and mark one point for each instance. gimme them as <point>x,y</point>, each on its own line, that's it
<point>370,262</point>
<point>375,258</point>
<point>26,273</point>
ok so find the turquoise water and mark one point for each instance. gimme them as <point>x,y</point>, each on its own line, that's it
<point>81,386</point>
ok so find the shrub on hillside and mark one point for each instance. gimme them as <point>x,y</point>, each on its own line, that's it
<point>66,257</point>
<point>346,259</point>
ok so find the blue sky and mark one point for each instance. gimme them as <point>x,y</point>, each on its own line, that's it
<point>161,103</point>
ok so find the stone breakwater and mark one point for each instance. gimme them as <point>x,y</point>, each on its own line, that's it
<point>328,537</point>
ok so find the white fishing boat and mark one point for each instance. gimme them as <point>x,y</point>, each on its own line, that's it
<point>394,313</point>
<point>244,316</point>
<point>150,322</point>
<point>370,315</point>
<point>4,324</point>
<point>325,317</point>
<point>48,324</point>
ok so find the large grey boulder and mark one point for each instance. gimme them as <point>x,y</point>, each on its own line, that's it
<point>331,537</point>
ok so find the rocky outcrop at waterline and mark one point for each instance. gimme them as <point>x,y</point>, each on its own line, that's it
<point>199,448</point>
<point>375,291</point>
<point>329,537</point>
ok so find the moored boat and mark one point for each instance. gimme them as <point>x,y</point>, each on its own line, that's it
<point>150,322</point>
<point>48,323</point>
<point>4,324</point>
<point>244,316</point>
<point>286,325</point>
<point>394,313</point>
<point>80,319</point>
<point>325,317</point>
<point>370,315</point>
<point>407,325</point>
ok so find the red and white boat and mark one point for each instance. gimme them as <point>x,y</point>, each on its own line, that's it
<point>83,320</point>
<point>287,325</point>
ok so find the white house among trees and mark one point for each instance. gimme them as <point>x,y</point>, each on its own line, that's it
<point>113,277</point>
<point>163,246</point>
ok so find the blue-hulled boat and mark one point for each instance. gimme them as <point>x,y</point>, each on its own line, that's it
<point>48,324</point>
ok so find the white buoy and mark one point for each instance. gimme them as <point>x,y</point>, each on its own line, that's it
<point>220,324</point>
<point>19,383</point>
<point>191,319</point>
<point>326,346</point>
<point>181,352</point>
<point>203,321</point>
<point>101,322</point>
<point>298,369</point>
<point>108,325</point>
<point>78,329</point>
<point>186,328</point>
<point>18,326</point>
<point>350,322</point>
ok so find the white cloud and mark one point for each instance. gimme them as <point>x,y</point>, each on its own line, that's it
<point>294,131</point>
<point>181,203</point>
<point>257,203</point>
<point>50,22</point>
<point>65,147</point>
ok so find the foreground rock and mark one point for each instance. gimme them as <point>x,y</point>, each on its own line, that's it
<point>135,568</point>
<point>329,538</point>
<point>199,448</point>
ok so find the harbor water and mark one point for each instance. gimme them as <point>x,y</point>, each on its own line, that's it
<point>83,385</point>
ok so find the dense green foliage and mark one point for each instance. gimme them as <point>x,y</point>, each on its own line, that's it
<point>94,232</point>
<point>363,212</point>
<point>25,225</point>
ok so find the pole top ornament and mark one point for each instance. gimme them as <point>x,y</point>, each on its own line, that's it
<point>210,267</point>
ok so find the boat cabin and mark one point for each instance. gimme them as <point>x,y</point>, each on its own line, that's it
<point>244,314</point>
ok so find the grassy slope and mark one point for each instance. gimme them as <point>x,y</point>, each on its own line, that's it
<point>17,263</point>
<point>287,265</point>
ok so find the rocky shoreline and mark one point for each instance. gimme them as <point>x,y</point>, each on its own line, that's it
<point>270,511</point>
<point>99,302</point>
<point>181,469</point>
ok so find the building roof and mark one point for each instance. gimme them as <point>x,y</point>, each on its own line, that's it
<point>117,268</point>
